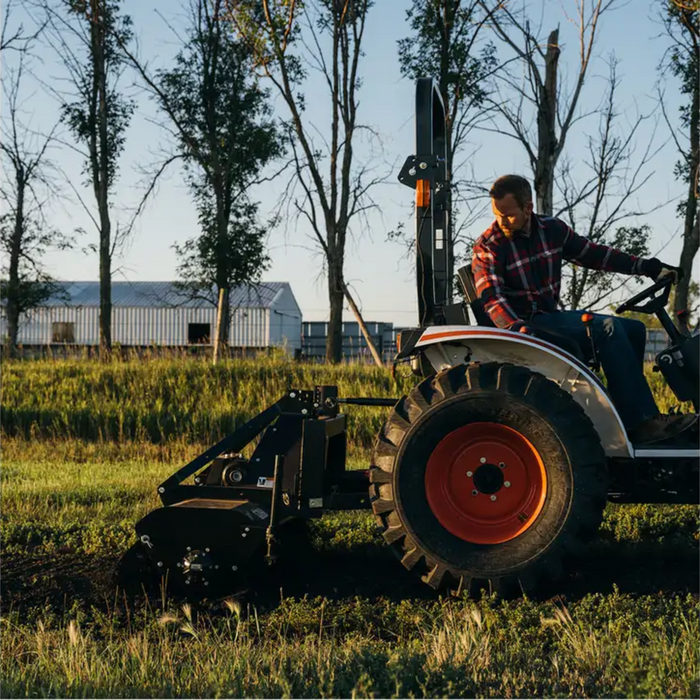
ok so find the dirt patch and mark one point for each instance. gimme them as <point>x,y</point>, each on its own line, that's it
<point>58,580</point>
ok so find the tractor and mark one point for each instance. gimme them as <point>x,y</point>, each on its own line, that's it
<point>492,473</point>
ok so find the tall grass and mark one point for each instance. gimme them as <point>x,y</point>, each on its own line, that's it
<point>613,646</point>
<point>188,399</point>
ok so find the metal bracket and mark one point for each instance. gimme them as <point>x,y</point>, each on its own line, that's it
<point>420,168</point>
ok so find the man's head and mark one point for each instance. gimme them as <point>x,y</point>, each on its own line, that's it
<point>511,202</point>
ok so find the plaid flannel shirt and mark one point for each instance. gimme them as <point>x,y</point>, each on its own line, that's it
<point>518,277</point>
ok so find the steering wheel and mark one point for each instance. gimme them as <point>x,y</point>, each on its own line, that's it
<point>655,303</point>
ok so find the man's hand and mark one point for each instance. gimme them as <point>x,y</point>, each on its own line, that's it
<point>654,268</point>
<point>521,327</point>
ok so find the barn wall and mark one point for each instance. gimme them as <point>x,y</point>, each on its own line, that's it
<point>285,320</point>
<point>141,326</point>
<point>249,328</point>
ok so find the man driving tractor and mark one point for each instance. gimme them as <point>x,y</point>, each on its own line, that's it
<point>517,267</point>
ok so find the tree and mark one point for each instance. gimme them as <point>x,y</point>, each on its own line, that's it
<point>682,22</point>
<point>86,35</point>
<point>554,115</point>
<point>539,112</point>
<point>596,198</point>
<point>26,191</point>
<point>224,134</point>
<point>288,38</point>
<point>446,42</point>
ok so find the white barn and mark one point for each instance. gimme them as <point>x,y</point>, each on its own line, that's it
<point>158,314</point>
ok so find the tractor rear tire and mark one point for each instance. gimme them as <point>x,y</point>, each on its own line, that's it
<point>488,476</point>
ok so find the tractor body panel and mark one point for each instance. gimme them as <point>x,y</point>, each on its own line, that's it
<point>447,346</point>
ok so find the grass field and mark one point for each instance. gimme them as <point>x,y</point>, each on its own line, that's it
<point>84,446</point>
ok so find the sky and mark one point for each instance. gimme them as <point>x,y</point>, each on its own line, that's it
<point>377,270</point>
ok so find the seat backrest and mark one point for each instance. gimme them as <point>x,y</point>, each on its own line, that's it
<point>466,281</point>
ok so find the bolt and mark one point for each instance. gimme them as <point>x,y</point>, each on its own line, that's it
<point>470,473</point>
<point>206,549</point>
<point>423,165</point>
<point>216,566</point>
<point>189,549</point>
<point>179,566</point>
<point>161,489</point>
<point>483,460</point>
<point>160,563</point>
<point>493,498</point>
<point>475,492</point>
<point>502,465</point>
<point>244,535</point>
<point>197,480</point>
<point>506,484</point>
<point>206,583</point>
<point>412,171</point>
<point>315,405</point>
<point>234,568</point>
<point>303,411</point>
<point>247,529</point>
<point>187,582</point>
<point>274,430</point>
<point>292,395</point>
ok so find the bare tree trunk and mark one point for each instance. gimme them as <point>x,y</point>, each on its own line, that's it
<point>99,153</point>
<point>546,129</point>
<point>13,291</point>
<point>691,232</point>
<point>222,324</point>
<point>334,340</point>
<point>105,286</point>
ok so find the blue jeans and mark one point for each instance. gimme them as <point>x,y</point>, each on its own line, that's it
<point>620,344</point>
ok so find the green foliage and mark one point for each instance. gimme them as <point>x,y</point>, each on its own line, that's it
<point>95,82</point>
<point>225,136</point>
<point>443,44</point>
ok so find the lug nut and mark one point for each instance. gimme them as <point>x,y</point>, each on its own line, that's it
<point>475,492</point>
<point>493,498</point>
<point>502,465</point>
<point>483,460</point>
<point>470,473</point>
<point>506,484</point>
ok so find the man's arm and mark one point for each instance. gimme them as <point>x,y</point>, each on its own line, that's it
<point>488,276</point>
<point>598,256</point>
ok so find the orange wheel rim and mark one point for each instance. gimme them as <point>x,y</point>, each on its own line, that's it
<point>485,483</point>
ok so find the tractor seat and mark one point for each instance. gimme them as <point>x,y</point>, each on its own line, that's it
<point>466,280</point>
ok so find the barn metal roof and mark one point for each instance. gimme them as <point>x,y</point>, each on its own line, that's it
<point>160,294</point>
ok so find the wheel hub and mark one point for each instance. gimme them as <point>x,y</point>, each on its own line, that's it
<point>485,483</point>
<point>488,478</point>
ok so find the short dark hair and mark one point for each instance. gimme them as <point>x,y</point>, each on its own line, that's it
<point>516,185</point>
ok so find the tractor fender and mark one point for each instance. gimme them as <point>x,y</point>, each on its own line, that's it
<point>447,346</point>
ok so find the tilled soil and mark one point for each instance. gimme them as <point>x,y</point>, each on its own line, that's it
<point>59,580</point>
